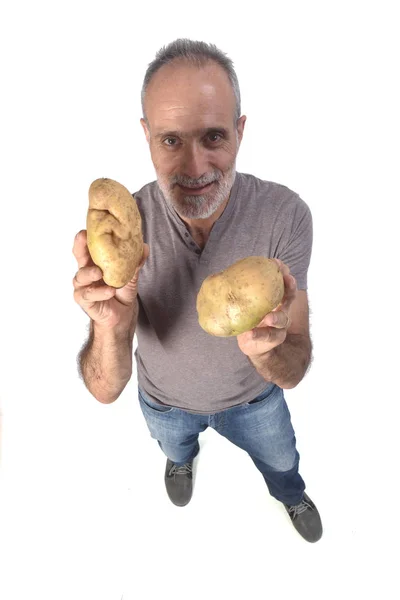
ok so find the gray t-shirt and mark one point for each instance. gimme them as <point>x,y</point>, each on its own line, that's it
<point>178,363</point>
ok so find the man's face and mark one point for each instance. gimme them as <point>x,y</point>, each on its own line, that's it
<point>192,136</point>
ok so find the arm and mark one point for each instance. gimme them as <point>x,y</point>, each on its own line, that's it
<point>105,362</point>
<point>280,346</point>
<point>286,364</point>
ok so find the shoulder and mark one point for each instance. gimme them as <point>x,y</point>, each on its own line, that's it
<point>277,196</point>
<point>149,190</point>
<point>271,190</point>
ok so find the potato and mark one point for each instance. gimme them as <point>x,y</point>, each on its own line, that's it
<point>237,299</point>
<point>114,231</point>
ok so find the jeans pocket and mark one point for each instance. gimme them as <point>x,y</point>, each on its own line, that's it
<point>264,396</point>
<point>150,404</point>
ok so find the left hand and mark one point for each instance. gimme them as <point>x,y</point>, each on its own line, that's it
<point>272,329</point>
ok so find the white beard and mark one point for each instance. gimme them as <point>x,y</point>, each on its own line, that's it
<point>203,206</point>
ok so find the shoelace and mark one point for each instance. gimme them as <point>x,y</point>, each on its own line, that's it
<point>297,509</point>
<point>185,469</point>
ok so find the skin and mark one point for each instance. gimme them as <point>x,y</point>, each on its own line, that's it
<point>280,346</point>
<point>273,328</point>
<point>105,305</point>
<point>194,139</point>
<point>190,100</point>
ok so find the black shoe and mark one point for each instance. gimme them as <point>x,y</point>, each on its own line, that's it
<point>305,518</point>
<point>179,482</point>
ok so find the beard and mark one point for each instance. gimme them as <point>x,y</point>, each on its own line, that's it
<point>200,206</point>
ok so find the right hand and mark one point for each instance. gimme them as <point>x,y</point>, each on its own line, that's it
<point>104,304</point>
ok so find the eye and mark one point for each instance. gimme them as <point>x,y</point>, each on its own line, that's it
<point>170,139</point>
<point>214,135</point>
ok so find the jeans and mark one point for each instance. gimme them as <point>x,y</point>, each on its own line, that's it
<point>262,428</point>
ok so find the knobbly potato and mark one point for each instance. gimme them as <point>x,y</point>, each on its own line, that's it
<point>114,231</point>
<point>237,299</point>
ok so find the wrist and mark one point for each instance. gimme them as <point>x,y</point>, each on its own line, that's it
<point>124,329</point>
<point>262,359</point>
<point>118,332</point>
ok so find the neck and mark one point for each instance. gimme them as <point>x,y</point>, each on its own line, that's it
<point>202,227</point>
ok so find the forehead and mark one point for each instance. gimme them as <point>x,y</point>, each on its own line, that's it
<point>190,98</point>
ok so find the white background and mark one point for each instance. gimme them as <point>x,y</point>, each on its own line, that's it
<point>84,511</point>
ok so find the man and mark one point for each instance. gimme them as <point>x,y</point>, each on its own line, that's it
<point>199,217</point>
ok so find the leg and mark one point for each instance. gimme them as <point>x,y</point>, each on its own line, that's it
<point>264,430</point>
<point>175,430</point>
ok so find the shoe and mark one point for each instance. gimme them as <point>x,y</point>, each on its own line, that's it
<point>306,519</point>
<point>179,482</point>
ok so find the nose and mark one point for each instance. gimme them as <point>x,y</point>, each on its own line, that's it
<point>194,161</point>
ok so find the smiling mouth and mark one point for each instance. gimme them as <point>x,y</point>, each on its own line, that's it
<point>196,190</point>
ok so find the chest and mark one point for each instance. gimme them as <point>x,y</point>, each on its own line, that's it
<point>200,239</point>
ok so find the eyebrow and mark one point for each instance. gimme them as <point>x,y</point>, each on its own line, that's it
<point>200,132</point>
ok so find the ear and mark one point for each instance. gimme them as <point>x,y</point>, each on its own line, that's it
<point>240,126</point>
<point>145,129</point>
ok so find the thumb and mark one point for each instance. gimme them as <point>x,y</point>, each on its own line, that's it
<point>264,334</point>
<point>146,252</point>
<point>127,294</point>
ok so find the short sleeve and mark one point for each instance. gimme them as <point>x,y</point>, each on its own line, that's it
<point>296,252</point>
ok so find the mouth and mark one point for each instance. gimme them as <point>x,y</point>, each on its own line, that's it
<point>197,190</point>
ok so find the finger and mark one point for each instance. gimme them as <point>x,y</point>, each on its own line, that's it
<point>283,308</point>
<point>262,336</point>
<point>90,294</point>
<point>290,293</point>
<point>81,250</point>
<point>279,319</point>
<point>146,252</point>
<point>282,266</point>
<point>87,275</point>
<point>135,278</point>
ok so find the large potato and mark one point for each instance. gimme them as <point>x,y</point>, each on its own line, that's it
<point>114,231</point>
<point>236,299</point>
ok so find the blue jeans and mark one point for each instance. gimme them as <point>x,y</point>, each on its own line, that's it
<point>262,428</point>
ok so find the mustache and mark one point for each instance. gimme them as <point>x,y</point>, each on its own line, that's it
<point>190,183</point>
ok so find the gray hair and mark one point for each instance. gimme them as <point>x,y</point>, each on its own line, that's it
<point>196,53</point>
